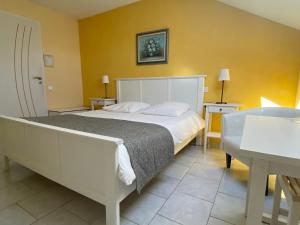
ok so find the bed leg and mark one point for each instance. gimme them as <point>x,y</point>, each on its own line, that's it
<point>6,163</point>
<point>113,213</point>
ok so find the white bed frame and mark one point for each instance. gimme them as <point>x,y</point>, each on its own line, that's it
<point>88,163</point>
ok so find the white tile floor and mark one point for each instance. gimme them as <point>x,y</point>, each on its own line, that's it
<point>193,190</point>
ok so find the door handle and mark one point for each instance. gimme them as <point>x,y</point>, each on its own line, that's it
<point>37,78</point>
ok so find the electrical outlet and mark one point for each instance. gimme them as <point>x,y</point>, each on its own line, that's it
<point>50,88</point>
<point>205,89</point>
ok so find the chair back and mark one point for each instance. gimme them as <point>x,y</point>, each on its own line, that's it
<point>236,120</point>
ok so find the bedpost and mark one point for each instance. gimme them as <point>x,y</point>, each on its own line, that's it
<point>6,163</point>
<point>112,213</point>
<point>6,160</point>
<point>112,205</point>
<point>200,101</point>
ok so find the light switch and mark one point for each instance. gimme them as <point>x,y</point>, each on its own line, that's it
<point>205,89</point>
<point>48,60</point>
<point>50,88</point>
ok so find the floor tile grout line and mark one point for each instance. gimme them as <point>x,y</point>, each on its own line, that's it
<point>6,207</point>
<point>27,211</point>
<point>74,214</point>
<point>180,181</point>
<point>167,200</point>
<point>228,194</point>
<point>216,196</point>
<point>202,199</point>
<point>16,202</point>
<point>164,205</point>
<point>218,181</point>
<point>170,219</point>
<point>179,192</point>
<point>52,211</point>
<point>129,220</point>
<point>187,194</point>
<point>222,220</point>
<point>231,195</point>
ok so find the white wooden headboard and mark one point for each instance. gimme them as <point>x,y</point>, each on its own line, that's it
<point>155,90</point>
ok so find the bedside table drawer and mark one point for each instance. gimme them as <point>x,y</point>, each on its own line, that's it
<point>109,102</point>
<point>102,102</point>
<point>99,102</point>
<point>221,109</point>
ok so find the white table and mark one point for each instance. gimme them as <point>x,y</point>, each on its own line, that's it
<point>272,145</point>
<point>62,111</point>
<point>211,108</point>
<point>102,102</point>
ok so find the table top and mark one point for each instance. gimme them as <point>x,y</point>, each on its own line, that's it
<point>222,105</point>
<point>272,138</point>
<point>101,99</point>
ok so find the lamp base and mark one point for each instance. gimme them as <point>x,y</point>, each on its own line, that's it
<point>221,102</point>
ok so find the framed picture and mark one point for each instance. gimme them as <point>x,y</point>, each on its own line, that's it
<point>152,47</point>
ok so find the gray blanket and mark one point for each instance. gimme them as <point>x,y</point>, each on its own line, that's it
<point>150,146</point>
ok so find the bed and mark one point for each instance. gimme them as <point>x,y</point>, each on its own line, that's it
<point>89,163</point>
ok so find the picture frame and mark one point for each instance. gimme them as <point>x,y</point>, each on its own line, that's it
<point>152,47</point>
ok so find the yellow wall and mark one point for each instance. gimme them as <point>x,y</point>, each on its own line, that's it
<point>60,38</point>
<point>298,94</point>
<point>264,57</point>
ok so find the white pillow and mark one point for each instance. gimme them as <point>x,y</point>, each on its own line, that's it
<point>174,109</point>
<point>127,107</point>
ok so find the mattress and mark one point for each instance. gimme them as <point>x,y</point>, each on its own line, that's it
<point>181,129</point>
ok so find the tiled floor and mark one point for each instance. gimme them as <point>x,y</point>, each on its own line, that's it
<point>193,190</point>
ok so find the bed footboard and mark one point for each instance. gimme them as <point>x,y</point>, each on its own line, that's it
<point>83,162</point>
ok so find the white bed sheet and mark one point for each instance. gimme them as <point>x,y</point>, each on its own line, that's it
<point>181,128</point>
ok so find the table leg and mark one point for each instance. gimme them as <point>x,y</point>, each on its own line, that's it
<point>276,203</point>
<point>206,129</point>
<point>210,120</point>
<point>228,161</point>
<point>247,196</point>
<point>258,172</point>
<point>293,217</point>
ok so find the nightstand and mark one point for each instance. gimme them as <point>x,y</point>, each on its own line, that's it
<point>211,108</point>
<point>63,111</point>
<point>101,102</point>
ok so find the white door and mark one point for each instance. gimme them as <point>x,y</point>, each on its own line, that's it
<point>21,67</point>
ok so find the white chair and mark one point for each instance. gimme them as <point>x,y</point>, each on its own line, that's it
<point>291,188</point>
<point>233,124</point>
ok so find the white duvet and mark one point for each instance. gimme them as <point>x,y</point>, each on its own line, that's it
<point>181,128</point>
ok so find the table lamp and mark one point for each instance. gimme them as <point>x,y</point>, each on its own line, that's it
<point>105,81</point>
<point>224,75</point>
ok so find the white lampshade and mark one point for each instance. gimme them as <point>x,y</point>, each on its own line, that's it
<point>105,79</point>
<point>224,75</point>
